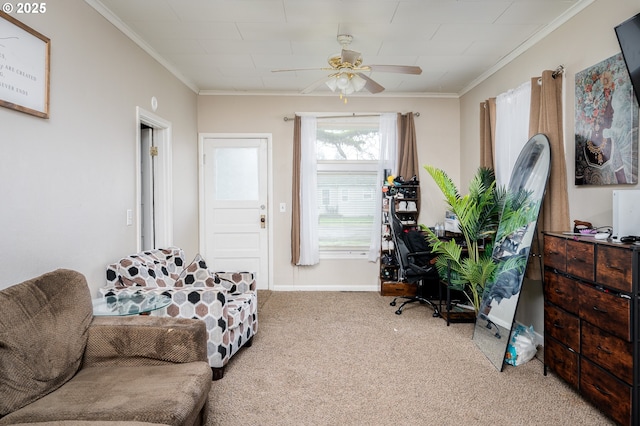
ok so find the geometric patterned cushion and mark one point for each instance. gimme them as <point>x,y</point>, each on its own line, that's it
<point>196,275</point>
<point>135,273</point>
<point>153,268</point>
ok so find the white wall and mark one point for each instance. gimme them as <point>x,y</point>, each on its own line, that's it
<point>437,131</point>
<point>583,41</point>
<point>66,182</point>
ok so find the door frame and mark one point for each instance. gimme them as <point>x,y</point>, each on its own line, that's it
<point>163,178</point>
<point>201,213</point>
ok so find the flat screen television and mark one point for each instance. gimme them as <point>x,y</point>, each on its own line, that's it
<point>628,34</point>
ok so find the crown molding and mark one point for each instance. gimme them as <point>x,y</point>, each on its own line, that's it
<point>555,24</point>
<point>126,30</point>
<point>330,94</point>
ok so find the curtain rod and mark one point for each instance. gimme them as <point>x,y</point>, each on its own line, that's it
<point>558,71</point>
<point>416,114</point>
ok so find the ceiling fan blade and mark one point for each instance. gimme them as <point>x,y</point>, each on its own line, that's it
<point>402,69</point>
<point>371,85</point>
<point>313,86</point>
<point>350,56</point>
<point>303,69</point>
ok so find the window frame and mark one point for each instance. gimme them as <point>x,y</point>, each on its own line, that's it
<point>357,167</point>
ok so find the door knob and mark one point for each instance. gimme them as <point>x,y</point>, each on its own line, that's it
<point>263,221</point>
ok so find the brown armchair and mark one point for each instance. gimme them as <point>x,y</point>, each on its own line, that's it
<point>59,363</point>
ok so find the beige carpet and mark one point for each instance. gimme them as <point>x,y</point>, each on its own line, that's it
<point>344,358</point>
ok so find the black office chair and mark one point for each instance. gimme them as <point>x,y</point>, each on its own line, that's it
<point>414,260</point>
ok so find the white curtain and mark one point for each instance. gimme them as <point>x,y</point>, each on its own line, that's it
<point>387,160</point>
<point>309,245</point>
<point>512,129</point>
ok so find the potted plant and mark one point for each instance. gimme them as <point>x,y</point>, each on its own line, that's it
<point>468,264</point>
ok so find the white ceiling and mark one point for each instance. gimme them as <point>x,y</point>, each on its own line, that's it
<point>232,46</point>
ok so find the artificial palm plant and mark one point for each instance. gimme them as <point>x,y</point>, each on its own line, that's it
<point>469,263</point>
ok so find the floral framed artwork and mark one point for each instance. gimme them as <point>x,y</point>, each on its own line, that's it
<point>606,125</point>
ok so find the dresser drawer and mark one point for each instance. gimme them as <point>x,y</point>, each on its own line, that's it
<point>606,311</point>
<point>562,326</point>
<point>612,353</point>
<point>562,361</point>
<point>561,291</point>
<point>580,259</point>
<point>555,253</point>
<point>606,392</point>
<point>614,268</point>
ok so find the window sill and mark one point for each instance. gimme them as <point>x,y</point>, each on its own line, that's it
<point>347,255</point>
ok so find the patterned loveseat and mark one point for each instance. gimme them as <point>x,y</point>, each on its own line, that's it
<point>225,301</point>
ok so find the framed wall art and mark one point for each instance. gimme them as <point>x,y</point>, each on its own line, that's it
<point>24,68</point>
<point>606,125</point>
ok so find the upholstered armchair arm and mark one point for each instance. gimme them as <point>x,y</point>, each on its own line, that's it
<point>238,282</point>
<point>144,340</point>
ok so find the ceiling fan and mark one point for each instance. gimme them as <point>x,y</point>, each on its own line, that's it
<point>348,72</point>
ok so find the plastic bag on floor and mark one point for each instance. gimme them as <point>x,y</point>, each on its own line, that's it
<point>522,345</point>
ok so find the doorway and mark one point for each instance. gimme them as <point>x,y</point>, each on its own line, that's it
<point>235,213</point>
<point>154,217</point>
<point>148,153</point>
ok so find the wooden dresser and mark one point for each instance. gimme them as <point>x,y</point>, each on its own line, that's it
<point>590,321</point>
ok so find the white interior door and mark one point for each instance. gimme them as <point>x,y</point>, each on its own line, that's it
<point>234,210</point>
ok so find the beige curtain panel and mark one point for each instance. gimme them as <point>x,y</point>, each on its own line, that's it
<point>407,146</point>
<point>546,118</point>
<point>487,132</point>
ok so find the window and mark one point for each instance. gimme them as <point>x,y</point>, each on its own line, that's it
<point>347,163</point>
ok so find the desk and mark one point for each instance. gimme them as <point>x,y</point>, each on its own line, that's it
<point>456,313</point>
<point>453,310</point>
<point>129,304</point>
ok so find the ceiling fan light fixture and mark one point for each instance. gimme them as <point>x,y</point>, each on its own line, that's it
<point>358,82</point>
<point>342,81</point>
<point>347,71</point>
<point>332,84</point>
<point>346,83</point>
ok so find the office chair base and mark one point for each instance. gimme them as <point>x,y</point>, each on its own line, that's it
<point>412,299</point>
<point>490,325</point>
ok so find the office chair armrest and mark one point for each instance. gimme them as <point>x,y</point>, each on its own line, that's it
<point>419,254</point>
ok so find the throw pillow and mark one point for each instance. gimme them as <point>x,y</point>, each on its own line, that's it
<point>196,275</point>
<point>144,270</point>
<point>133,272</point>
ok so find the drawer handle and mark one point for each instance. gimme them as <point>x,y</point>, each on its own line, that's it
<point>615,268</point>
<point>602,391</point>
<point>558,291</point>
<point>608,352</point>
<point>602,311</point>
<point>558,325</point>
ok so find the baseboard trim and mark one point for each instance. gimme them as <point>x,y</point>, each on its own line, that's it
<point>324,287</point>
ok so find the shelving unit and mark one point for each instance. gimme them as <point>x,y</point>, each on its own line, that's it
<point>407,207</point>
